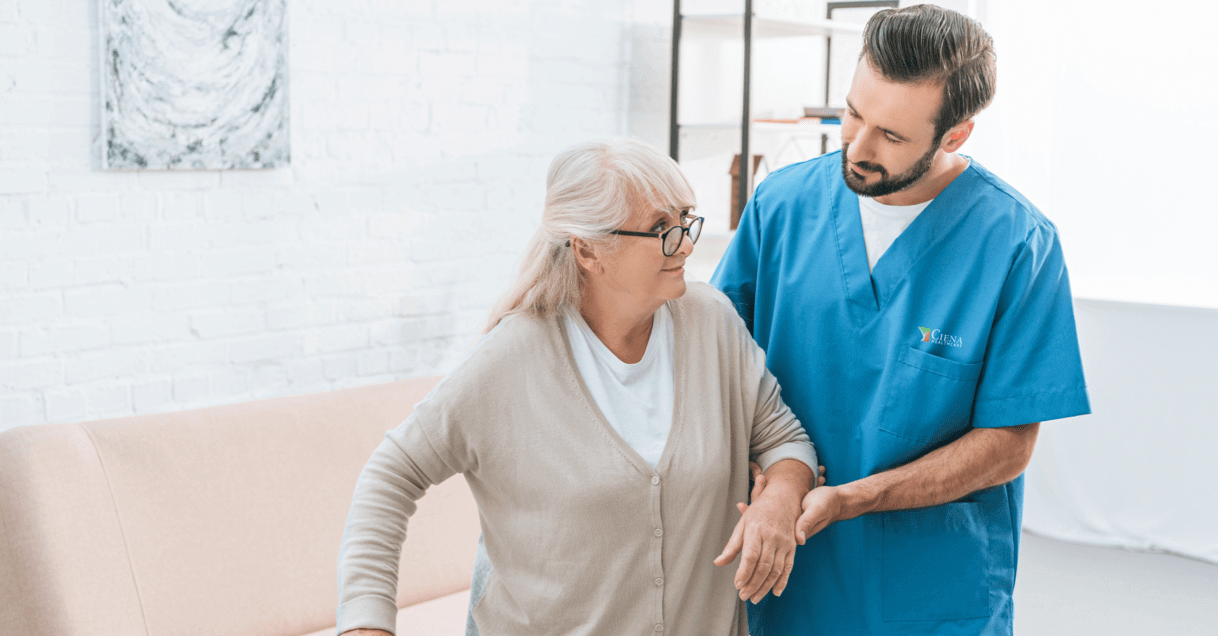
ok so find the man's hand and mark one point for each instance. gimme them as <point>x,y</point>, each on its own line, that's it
<point>821,507</point>
<point>981,458</point>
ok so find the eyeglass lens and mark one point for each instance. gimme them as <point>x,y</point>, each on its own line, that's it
<point>672,238</point>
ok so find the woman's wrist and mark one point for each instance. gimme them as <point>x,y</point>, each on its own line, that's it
<point>789,478</point>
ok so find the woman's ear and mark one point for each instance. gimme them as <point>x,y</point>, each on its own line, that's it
<point>586,256</point>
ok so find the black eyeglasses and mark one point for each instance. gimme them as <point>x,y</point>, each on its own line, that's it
<point>672,237</point>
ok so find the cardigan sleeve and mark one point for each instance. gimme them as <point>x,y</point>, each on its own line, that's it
<point>777,434</point>
<point>400,470</point>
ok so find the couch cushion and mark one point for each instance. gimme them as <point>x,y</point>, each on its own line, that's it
<point>231,517</point>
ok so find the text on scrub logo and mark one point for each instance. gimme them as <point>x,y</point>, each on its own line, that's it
<point>938,337</point>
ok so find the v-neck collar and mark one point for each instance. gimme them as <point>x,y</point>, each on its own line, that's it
<point>679,391</point>
<point>868,290</point>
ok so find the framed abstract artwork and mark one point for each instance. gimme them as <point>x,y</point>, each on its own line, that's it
<point>194,84</point>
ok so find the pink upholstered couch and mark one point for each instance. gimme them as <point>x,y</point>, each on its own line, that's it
<point>216,522</point>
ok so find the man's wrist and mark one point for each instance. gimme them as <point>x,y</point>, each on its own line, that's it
<point>855,499</point>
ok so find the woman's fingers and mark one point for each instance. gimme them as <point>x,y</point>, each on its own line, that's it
<point>771,578</point>
<point>820,476</point>
<point>787,568</point>
<point>733,544</point>
<point>755,565</point>
<point>750,555</point>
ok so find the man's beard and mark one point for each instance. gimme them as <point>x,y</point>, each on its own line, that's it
<point>886,185</point>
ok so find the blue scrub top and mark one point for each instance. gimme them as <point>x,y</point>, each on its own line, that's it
<point>966,321</point>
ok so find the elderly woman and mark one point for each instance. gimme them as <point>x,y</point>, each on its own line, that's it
<point>605,425</point>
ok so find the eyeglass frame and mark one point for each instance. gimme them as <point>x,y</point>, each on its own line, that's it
<point>683,229</point>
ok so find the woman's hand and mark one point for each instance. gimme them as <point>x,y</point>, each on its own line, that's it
<point>366,632</point>
<point>765,534</point>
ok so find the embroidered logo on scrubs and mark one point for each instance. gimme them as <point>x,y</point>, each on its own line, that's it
<point>938,337</point>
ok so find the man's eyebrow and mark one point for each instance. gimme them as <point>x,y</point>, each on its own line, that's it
<point>893,134</point>
<point>886,131</point>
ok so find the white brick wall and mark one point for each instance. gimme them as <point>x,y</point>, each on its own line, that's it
<point>421,131</point>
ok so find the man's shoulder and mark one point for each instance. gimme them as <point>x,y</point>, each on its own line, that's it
<point>1001,202</point>
<point>796,176</point>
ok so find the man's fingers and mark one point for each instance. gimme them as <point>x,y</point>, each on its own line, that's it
<point>808,524</point>
<point>820,476</point>
<point>754,470</point>
<point>802,525</point>
<point>758,485</point>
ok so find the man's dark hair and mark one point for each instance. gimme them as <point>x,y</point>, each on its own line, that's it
<point>926,43</point>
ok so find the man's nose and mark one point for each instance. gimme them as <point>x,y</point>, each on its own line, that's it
<point>860,148</point>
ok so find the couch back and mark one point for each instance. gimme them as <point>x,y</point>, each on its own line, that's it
<point>219,521</point>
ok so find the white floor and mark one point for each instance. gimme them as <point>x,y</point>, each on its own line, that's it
<point>1078,590</point>
<point>1063,589</point>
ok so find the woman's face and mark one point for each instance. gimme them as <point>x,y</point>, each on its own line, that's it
<point>638,268</point>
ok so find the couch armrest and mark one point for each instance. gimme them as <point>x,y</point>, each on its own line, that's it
<point>63,563</point>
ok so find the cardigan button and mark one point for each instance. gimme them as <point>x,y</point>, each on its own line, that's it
<point>659,532</point>
<point>659,581</point>
<point>655,481</point>
<point>659,627</point>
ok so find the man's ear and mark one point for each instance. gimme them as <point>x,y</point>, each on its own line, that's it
<point>587,257</point>
<point>957,135</point>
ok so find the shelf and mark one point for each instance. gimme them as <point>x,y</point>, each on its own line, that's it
<point>732,26</point>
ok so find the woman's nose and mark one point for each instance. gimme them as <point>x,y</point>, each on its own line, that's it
<point>687,246</point>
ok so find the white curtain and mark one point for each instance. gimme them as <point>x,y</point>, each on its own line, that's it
<point>1139,471</point>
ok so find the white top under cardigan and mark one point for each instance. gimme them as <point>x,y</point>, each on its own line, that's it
<point>636,399</point>
<point>560,493</point>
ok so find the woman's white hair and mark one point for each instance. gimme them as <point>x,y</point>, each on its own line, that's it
<point>591,188</point>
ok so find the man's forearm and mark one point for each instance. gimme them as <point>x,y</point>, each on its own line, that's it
<point>982,458</point>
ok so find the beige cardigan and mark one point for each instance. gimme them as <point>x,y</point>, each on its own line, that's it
<point>584,536</point>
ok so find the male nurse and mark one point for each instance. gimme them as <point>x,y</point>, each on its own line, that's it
<point>917,312</point>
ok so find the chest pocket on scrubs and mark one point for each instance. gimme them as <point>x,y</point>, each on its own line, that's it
<point>929,397</point>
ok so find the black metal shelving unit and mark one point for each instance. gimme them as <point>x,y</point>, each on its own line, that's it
<point>747,24</point>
